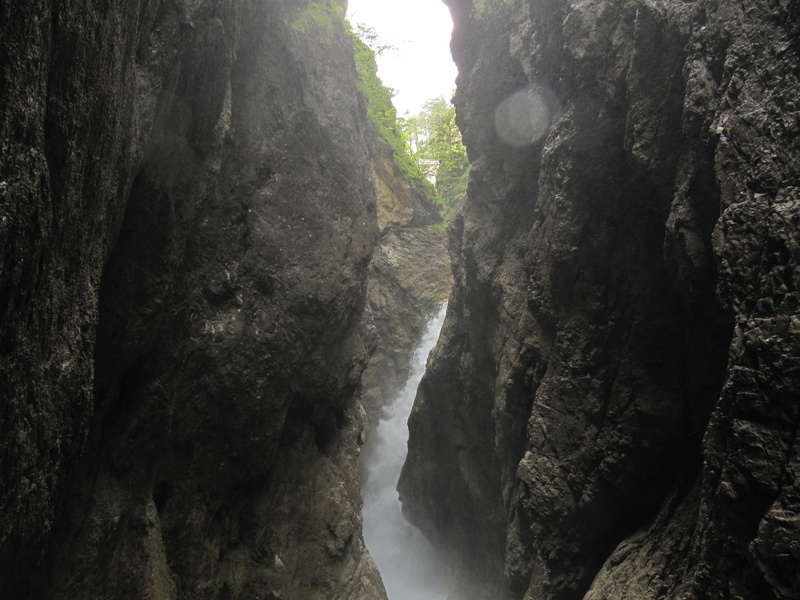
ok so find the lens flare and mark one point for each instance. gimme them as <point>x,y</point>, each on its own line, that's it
<point>525,116</point>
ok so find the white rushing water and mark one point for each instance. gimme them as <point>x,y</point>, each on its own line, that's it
<point>406,560</point>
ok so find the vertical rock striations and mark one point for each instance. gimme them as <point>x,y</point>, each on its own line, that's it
<point>186,222</point>
<point>611,411</point>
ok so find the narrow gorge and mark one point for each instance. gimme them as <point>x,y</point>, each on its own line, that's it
<point>215,274</point>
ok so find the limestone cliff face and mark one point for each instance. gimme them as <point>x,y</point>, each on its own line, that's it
<point>402,201</point>
<point>409,279</point>
<point>612,410</point>
<point>187,217</point>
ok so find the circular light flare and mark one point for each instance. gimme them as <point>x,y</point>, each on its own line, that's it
<point>525,116</point>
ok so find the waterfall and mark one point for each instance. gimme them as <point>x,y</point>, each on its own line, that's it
<point>406,560</point>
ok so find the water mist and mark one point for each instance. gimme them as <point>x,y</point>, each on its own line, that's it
<point>407,562</point>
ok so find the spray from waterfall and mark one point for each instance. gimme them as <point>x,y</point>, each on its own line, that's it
<point>407,562</point>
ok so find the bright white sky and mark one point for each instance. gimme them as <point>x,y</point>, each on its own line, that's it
<point>421,67</point>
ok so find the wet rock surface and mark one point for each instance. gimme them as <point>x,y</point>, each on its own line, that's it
<point>611,410</point>
<point>187,220</point>
<point>409,279</point>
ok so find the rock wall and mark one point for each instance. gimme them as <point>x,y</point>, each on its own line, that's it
<point>611,410</point>
<point>409,279</point>
<point>402,201</point>
<point>187,216</point>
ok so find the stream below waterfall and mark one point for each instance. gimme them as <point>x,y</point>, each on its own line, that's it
<point>407,562</point>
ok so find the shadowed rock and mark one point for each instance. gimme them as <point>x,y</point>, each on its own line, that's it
<point>608,413</point>
<point>188,216</point>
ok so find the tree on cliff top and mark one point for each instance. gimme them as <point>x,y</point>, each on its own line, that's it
<point>440,152</point>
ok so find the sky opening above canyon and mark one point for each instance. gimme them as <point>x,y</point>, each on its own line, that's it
<point>419,66</point>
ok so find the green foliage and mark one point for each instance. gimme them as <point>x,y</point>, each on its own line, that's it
<point>320,17</point>
<point>441,226</point>
<point>426,147</point>
<point>440,152</point>
<point>381,111</point>
<point>369,37</point>
<point>480,5</point>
